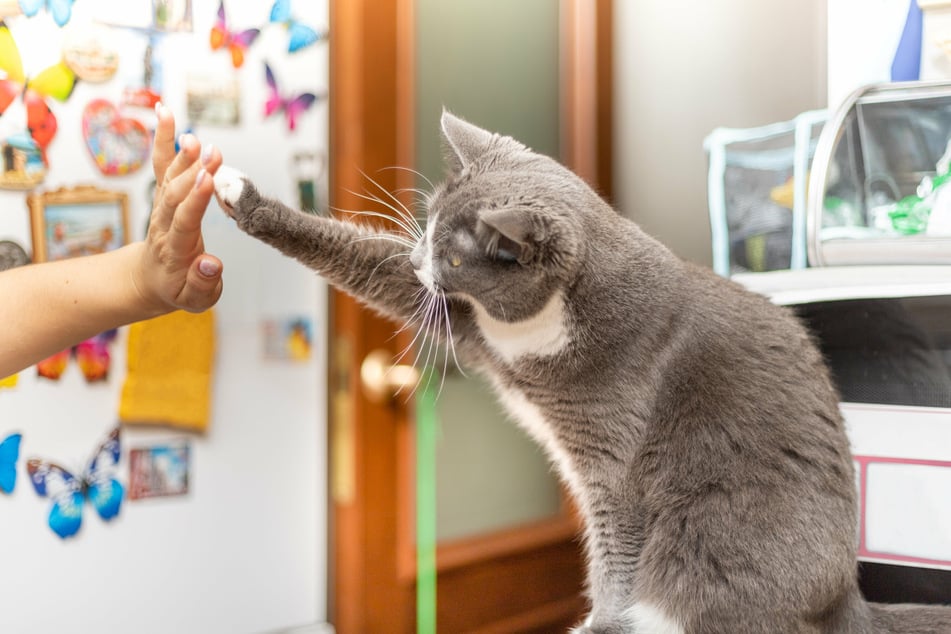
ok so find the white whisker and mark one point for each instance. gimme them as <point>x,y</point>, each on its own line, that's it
<point>413,230</point>
<point>402,211</point>
<point>388,237</point>
<point>411,171</point>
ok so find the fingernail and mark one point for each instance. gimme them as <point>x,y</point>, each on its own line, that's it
<point>159,107</point>
<point>206,153</point>
<point>208,268</point>
<point>200,178</point>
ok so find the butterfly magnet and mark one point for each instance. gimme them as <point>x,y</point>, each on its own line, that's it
<point>61,10</point>
<point>237,42</point>
<point>96,485</point>
<point>9,454</point>
<point>92,355</point>
<point>299,35</point>
<point>292,106</point>
<point>28,122</point>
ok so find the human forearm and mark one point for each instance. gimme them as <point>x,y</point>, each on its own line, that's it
<point>45,308</point>
<point>49,307</point>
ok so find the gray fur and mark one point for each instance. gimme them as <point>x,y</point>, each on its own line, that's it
<point>694,421</point>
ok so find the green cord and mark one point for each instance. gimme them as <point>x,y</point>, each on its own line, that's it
<point>426,425</point>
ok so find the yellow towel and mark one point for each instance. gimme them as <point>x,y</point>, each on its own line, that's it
<point>170,363</point>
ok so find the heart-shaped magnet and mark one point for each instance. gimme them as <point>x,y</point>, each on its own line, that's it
<point>119,145</point>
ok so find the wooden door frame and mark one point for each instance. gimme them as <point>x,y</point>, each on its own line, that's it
<point>370,130</point>
<point>372,115</point>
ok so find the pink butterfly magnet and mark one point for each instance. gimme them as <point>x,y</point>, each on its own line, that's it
<point>291,106</point>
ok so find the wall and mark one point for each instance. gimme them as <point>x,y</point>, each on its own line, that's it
<point>728,63</point>
<point>245,550</point>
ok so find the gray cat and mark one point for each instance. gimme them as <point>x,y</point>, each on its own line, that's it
<point>694,422</point>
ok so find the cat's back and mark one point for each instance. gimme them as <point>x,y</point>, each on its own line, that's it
<point>748,358</point>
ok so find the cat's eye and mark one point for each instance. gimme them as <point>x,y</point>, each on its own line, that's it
<point>455,261</point>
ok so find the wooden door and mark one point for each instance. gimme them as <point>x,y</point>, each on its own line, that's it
<point>523,579</point>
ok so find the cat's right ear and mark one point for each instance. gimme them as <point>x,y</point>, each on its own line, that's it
<point>464,142</point>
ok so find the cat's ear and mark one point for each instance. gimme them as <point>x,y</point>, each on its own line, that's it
<point>464,142</point>
<point>517,232</point>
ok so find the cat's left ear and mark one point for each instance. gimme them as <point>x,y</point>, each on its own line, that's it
<point>464,141</point>
<point>518,232</point>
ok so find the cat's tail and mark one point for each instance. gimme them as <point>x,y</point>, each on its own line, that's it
<point>911,619</point>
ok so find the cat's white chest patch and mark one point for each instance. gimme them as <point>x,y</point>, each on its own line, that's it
<point>651,620</point>
<point>543,334</point>
<point>530,417</point>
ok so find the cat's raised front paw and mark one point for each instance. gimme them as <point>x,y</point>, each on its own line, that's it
<point>229,184</point>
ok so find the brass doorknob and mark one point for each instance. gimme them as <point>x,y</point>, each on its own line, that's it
<point>382,380</point>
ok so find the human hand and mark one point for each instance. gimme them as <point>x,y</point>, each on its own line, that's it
<point>174,272</point>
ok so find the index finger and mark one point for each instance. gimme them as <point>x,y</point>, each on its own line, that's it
<point>163,144</point>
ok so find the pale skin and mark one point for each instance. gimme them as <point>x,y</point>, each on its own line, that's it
<point>51,306</point>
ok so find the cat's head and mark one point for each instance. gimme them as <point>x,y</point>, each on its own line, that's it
<point>504,229</point>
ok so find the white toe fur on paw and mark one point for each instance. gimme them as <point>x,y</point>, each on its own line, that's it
<point>229,183</point>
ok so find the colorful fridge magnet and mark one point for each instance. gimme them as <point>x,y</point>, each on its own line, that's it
<point>9,454</point>
<point>159,471</point>
<point>287,339</point>
<point>213,99</point>
<point>96,484</point>
<point>91,53</point>
<point>308,169</point>
<point>299,35</point>
<point>237,42</point>
<point>12,255</point>
<point>61,10</point>
<point>92,357</point>
<point>81,220</point>
<point>172,15</point>
<point>292,106</point>
<point>24,103</point>
<point>119,145</point>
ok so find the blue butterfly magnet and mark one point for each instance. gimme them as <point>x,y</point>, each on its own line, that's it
<point>96,485</point>
<point>9,454</point>
<point>300,35</point>
<point>61,10</point>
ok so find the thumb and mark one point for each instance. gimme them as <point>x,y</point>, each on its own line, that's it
<point>203,284</point>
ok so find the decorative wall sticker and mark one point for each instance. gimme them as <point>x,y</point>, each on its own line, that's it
<point>159,471</point>
<point>237,42</point>
<point>24,109</point>
<point>119,145</point>
<point>96,484</point>
<point>299,35</point>
<point>61,10</point>
<point>9,454</point>
<point>292,106</point>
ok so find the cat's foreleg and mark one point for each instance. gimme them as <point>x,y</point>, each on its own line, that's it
<point>371,265</point>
